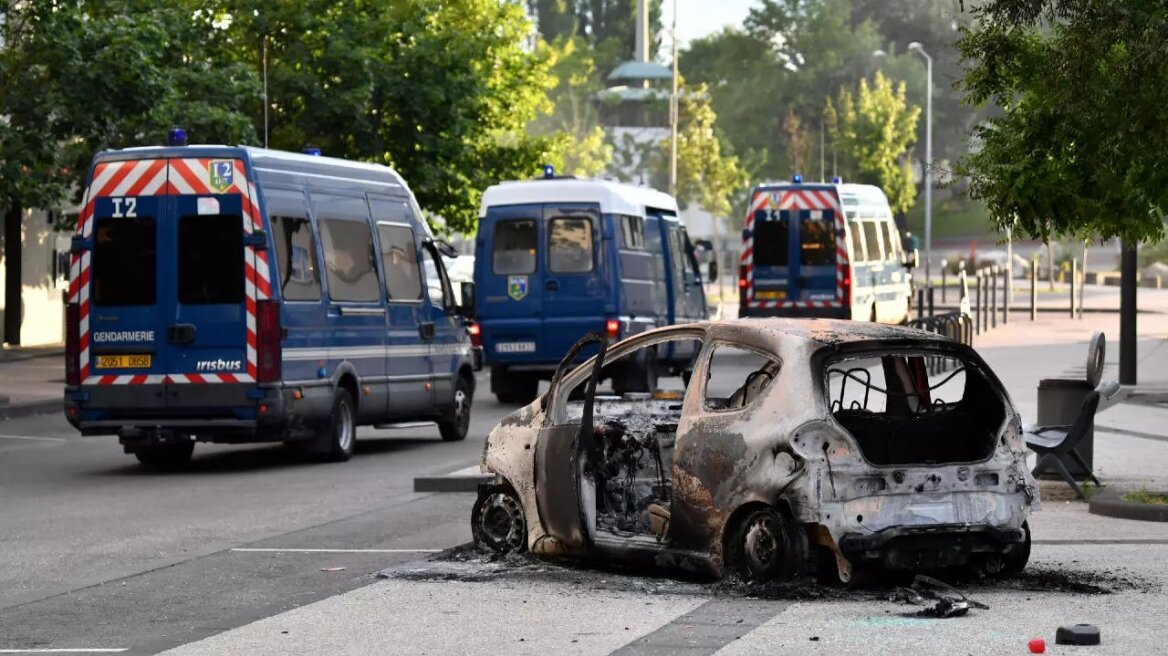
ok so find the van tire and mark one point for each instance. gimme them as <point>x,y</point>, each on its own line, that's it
<point>336,438</point>
<point>165,457</point>
<point>455,427</point>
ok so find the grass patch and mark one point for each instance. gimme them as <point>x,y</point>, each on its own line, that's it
<point>1147,497</point>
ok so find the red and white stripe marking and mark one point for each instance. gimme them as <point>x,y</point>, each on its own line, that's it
<point>795,199</point>
<point>167,177</point>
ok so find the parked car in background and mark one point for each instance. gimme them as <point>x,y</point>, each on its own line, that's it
<point>558,258</point>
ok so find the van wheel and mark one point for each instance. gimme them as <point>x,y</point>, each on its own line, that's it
<point>762,547</point>
<point>338,435</point>
<point>165,456</point>
<point>456,425</point>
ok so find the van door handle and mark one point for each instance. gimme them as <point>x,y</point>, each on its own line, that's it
<point>552,285</point>
<point>426,329</point>
<point>180,333</point>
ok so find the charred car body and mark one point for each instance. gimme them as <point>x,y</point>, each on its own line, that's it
<point>798,445</point>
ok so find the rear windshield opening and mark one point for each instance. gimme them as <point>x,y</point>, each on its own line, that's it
<point>210,259</point>
<point>514,247</point>
<point>772,240</point>
<point>125,255</point>
<point>911,408</point>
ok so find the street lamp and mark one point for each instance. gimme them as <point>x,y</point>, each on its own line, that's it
<point>915,46</point>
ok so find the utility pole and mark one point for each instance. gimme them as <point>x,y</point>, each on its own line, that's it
<point>822,169</point>
<point>916,47</point>
<point>265,57</point>
<point>673,105</point>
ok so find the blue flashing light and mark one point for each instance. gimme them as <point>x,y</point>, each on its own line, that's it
<point>549,171</point>
<point>797,178</point>
<point>176,137</point>
<point>312,150</point>
<point>837,180</point>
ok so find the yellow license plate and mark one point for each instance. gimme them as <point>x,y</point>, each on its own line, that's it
<point>123,361</point>
<point>771,294</point>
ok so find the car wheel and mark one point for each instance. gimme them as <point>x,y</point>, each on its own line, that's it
<point>165,456</point>
<point>455,427</point>
<point>497,522</point>
<point>762,548</point>
<point>1014,560</point>
<point>339,434</point>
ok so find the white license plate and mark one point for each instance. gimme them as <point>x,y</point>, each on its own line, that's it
<point>515,347</point>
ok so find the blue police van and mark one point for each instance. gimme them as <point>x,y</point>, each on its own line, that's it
<point>823,250</point>
<point>558,258</point>
<point>228,294</point>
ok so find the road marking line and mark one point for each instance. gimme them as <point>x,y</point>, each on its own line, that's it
<point>64,651</point>
<point>36,439</point>
<point>336,551</point>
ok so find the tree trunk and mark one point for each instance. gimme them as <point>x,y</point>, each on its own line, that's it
<point>13,303</point>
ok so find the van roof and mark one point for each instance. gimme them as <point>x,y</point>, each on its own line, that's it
<point>851,195</point>
<point>613,197</point>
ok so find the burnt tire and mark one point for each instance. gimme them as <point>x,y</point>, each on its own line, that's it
<point>763,547</point>
<point>497,523</point>
<point>337,437</point>
<point>165,457</point>
<point>1014,560</point>
<point>456,425</point>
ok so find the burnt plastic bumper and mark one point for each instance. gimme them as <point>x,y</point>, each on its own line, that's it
<point>927,547</point>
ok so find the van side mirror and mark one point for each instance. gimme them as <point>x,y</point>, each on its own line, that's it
<point>713,271</point>
<point>257,240</point>
<point>466,308</point>
<point>80,245</point>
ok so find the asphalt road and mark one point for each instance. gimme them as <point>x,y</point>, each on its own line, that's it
<point>100,553</point>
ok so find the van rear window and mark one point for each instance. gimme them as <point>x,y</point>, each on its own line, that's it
<point>570,245</point>
<point>514,247</point>
<point>817,242</point>
<point>125,257</point>
<point>772,240</point>
<point>210,259</point>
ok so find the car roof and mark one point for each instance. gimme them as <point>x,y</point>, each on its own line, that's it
<point>613,197</point>
<point>818,332</point>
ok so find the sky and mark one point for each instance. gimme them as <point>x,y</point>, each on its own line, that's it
<point>697,18</point>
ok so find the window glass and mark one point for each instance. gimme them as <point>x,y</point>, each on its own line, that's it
<point>737,376</point>
<point>817,242</point>
<point>296,258</point>
<point>632,232</point>
<point>514,247</point>
<point>874,242</point>
<point>772,238</point>
<point>433,279</point>
<point>125,253</point>
<point>855,230</point>
<point>895,250</point>
<point>691,256</point>
<point>570,244</point>
<point>399,259</point>
<point>348,260</point>
<point>210,259</point>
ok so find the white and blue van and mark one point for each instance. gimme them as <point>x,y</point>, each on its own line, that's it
<point>558,258</point>
<point>228,294</point>
<point>823,250</point>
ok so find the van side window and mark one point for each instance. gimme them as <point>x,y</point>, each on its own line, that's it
<point>570,244</point>
<point>210,259</point>
<point>872,239</point>
<point>348,260</point>
<point>433,279</point>
<point>399,258</point>
<point>895,250</point>
<point>296,258</point>
<point>858,254</point>
<point>514,247</point>
<point>125,256</point>
<point>632,232</point>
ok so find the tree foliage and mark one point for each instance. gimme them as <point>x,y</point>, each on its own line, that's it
<point>1079,148</point>
<point>876,127</point>
<point>609,26</point>
<point>584,150</point>
<point>706,176</point>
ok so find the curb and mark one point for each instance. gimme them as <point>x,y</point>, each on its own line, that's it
<point>29,408</point>
<point>456,483</point>
<point>1111,504</point>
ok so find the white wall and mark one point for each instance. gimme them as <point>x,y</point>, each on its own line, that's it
<point>43,321</point>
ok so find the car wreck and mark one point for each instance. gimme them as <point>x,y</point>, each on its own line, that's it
<point>794,446</point>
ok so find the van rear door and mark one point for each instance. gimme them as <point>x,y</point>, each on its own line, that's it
<point>510,283</point>
<point>573,288</point>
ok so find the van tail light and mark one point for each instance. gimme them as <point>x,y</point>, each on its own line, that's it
<point>268,341</point>
<point>476,334</point>
<point>846,286</point>
<point>72,344</point>
<point>612,329</point>
<point>742,300</point>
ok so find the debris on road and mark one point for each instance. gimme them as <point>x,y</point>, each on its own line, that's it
<point>939,598</point>
<point>1077,634</point>
<point>332,569</point>
<point>1037,646</point>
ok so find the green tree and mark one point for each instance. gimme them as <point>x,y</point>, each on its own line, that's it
<point>585,151</point>
<point>875,128</point>
<point>707,176</point>
<point>608,25</point>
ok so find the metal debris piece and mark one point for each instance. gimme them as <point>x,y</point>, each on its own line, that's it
<point>939,598</point>
<point>1077,634</point>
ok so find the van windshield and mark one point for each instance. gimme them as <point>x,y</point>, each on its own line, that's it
<point>513,247</point>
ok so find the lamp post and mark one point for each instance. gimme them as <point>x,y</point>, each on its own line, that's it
<point>915,46</point>
<point>673,111</point>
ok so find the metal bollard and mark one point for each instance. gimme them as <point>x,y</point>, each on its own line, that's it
<point>1074,274</point>
<point>921,302</point>
<point>931,313</point>
<point>1006,295</point>
<point>994,296</point>
<point>1034,290</point>
<point>977,299</point>
<point>944,279</point>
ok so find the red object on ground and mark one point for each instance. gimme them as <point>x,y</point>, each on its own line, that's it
<point>1037,646</point>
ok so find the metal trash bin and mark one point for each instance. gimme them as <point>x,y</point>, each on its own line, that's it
<point>1061,399</point>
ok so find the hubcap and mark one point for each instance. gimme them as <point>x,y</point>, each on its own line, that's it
<point>502,522</point>
<point>344,426</point>
<point>461,409</point>
<point>761,545</point>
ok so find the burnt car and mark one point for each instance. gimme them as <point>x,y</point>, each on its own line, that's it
<point>795,446</point>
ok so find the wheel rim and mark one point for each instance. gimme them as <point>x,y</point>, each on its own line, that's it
<point>461,410</point>
<point>344,426</point>
<point>761,544</point>
<point>502,521</point>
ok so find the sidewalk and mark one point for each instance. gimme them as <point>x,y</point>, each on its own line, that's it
<point>31,380</point>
